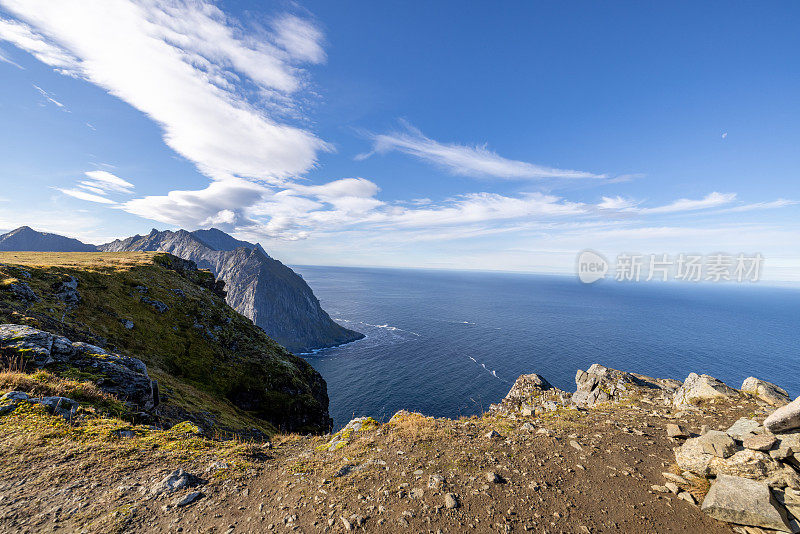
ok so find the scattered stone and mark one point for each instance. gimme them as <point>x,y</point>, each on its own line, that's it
<point>157,305</point>
<point>744,502</point>
<point>492,434</point>
<point>717,444</point>
<point>697,388</point>
<point>759,442</point>
<point>346,523</point>
<point>128,324</point>
<point>527,427</point>
<point>675,478</point>
<point>494,478</point>
<point>189,499</point>
<point>175,481</point>
<point>676,431</point>
<point>575,445</point>
<point>659,489</point>
<point>688,497</point>
<point>781,453</point>
<point>743,428</point>
<point>766,391</point>
<point>672,487</point>
<point>450,501</point>
<point>436,481</point>
<point>784,418</point>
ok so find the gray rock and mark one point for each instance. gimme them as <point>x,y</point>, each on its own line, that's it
<point>717,443</point>
<point>175,481</point>
<point>494,478</point>
<point>67,291</point>
<point>157,305</point>
<point>760,442</point>
<point>122,376</point>
<point>698,388</point>
<point>14,396</point>
<point>746,463</point>
<point>128,324</point>
<point>784,478</point>
<point>688,497</point>
<point>766,391</point>
<point>600,384</point>
<point>23,291</point>
<point>671,486</point>
<point>692,457</point>
<point>436,481</point>
<point>745,502</point>
<point>6,409</point>
<point>676,431</point>
<point>450,501</point>
<point>744,428</point>
<point>784,418</point>
<point>781,453</point>
<point>188,499</point>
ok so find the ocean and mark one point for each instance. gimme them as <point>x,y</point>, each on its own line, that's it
<point>449,343</point>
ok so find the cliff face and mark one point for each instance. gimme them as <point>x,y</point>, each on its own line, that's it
<point>25,238</point>
<point>212,365</point>
<point>259,287</point>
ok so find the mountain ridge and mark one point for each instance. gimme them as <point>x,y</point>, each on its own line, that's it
<point>259,287</point>
<point>26,238</point>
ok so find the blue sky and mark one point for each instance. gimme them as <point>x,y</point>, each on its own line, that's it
<point>439,135</point>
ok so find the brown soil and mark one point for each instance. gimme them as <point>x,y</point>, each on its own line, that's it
<point>548,485</point>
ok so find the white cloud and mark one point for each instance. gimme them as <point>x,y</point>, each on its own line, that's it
<point>191,69</point>
<point>223,202</point>
<point>474,161</point>
<point>712,200</point>
<point>616,203</point>
<point>49,97</point>
<point>106,181</point>
<point>780,203</point>
<point>83,195</point>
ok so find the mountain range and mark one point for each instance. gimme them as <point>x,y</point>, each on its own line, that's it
<point>259,287</point>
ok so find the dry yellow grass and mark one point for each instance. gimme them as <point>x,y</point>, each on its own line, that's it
<point>85,260</point>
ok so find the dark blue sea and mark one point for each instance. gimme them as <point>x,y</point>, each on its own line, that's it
<point>451,343</point>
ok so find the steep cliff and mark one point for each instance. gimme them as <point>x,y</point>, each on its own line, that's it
<point>212,365</point>
<point>259,287</point>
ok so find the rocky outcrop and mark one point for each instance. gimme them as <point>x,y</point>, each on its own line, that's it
<point>766,391</point>
<point>25,238</point>
<point>600,384</point>
<point>699,388</point>
<point>532,394</point>
<point>259,287</point>
<point>122,376</point>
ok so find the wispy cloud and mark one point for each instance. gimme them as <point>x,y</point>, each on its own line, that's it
<point>50,98</point>
<point>474,161</point>
<point>191,69</point>
<point>712,200</point>
<point>84,195</point>
<point>97,185</point>
<point>5,59</point>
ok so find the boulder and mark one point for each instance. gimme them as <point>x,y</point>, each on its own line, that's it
<point>67,291</point>
<point>760,442</point>
<point>745,502</point>
<point>784,418</point>
<point>691,457</point>
<point>23,291</point>
<point>122,376</point>
<point>766,391</point>
<point>717,443</point>
<point>744,428</point>
<point>698,388</point>
<point>746,463</point>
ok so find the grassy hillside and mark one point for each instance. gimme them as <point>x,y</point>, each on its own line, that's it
<point>213,365</point>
